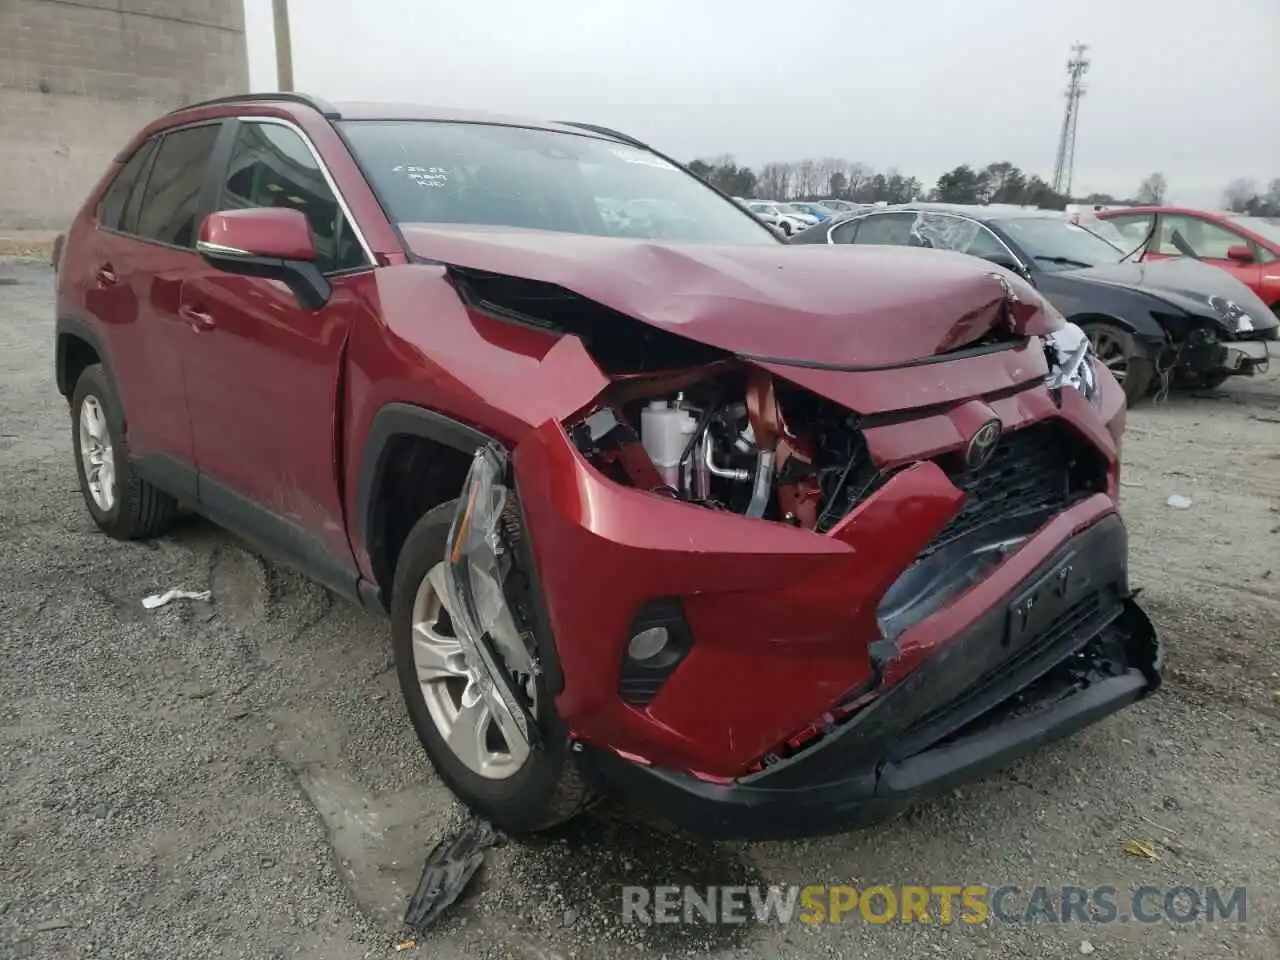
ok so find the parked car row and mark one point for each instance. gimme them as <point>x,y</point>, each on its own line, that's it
<point>791,217</point>
<point>1154,319</point>
<point>771,540</point>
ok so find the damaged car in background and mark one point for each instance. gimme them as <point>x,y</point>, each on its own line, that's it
<point>1155,324</point>
<point>770,541</point>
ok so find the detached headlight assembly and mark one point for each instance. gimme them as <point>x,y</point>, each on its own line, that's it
<point>475,558</point>
<point>1071,362</point>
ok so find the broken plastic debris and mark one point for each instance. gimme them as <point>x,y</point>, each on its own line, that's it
<point>1179,502</point>
<point>1140,848</point>
<point>449,867</point>
<point>1086,948</point>
<point>407,945</point>
<point>160,599</point>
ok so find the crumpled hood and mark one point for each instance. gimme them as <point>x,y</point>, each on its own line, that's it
<point>1183,282</point>
<point>812,305</point>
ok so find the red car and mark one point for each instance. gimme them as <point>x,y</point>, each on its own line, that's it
<point>1248,247</point>
<point>772,540</point>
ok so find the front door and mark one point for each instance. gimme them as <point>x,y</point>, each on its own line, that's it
<point>264,376</point>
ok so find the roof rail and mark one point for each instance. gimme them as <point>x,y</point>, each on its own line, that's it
<point>326,109</point>
<point>605,132</point>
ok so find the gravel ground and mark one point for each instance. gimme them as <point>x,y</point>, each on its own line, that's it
<point>236,778</point>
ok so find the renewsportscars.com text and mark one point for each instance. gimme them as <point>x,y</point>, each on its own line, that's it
<point>939,904</point>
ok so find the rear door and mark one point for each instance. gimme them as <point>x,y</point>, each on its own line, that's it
<point>264,375</point>
<point>139,271</point>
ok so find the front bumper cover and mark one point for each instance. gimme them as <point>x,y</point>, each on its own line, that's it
<point>1001,692</point>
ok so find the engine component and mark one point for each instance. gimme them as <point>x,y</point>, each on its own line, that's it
<point>665,430</point>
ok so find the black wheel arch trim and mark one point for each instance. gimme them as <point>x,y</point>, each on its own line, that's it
<point>397,420</point>
<point>68,326</point>
<point>405,419</point>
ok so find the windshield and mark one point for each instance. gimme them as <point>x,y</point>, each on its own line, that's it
<point>1268,227</point>
<point>435,172</point>
<point>1058,244</point>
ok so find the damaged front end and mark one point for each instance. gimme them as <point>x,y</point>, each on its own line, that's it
<point>778,598</point>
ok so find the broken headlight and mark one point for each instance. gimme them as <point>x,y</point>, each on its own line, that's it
<point>1071,362</point>
<point>1232,314</point>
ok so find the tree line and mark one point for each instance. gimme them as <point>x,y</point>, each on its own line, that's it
<point>1003,182</point>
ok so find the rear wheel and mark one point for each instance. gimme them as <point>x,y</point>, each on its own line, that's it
<point>490,770</point>
<point>1120,351</point>
<point>122,504</point>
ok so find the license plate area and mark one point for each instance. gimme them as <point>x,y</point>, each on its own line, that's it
<point>1034,610</point>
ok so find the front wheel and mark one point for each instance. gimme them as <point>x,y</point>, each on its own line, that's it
<point>493,772</point>
<point>1120,351</point>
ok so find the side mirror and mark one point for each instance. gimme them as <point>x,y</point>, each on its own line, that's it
<point>1240,253</point>
<point>270,242</point>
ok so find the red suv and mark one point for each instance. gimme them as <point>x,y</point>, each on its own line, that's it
<point>771,539</point>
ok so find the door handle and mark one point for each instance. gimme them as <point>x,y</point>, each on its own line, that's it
<point>198,319</point>
<point>105,275</point>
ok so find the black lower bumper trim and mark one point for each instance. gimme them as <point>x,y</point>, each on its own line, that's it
<point>1118,663</point>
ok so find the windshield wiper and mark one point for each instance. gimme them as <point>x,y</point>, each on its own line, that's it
<point>1064,261</point>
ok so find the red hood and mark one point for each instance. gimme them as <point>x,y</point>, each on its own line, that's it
<point>828,305</point>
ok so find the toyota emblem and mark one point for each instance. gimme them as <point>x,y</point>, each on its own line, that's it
<point>982,444</point>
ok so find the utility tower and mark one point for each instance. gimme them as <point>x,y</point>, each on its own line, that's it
<point>1077,66</point>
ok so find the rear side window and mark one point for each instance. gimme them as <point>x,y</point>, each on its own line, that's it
<point>111,209</point>
<point>272,166</point>
<point>887,228</point>
<point>171,200</point>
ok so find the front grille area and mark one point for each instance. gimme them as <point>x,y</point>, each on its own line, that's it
<point>1040,469</point>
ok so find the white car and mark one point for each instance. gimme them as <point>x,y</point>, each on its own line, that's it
<point>776,215</point>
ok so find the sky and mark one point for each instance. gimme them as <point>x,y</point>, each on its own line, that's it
<point>1185,88</point>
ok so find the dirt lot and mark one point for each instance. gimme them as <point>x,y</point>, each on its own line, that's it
<point>236,778</point>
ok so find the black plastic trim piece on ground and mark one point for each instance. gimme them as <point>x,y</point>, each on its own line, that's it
<point>449,868</point>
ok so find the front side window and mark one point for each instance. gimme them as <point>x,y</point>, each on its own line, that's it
<point>944,231</point>
<point>1208,240</point>
<point>438,172</point>
<point>171,200</point>
<point>111,210</point>
<point>272,166</point>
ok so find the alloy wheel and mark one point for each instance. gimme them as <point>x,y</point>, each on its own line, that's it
<point>451,688</point>
<point>1111,351</point>
<point>97,457</point>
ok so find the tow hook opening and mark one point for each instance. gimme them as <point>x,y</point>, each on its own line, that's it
<point>485,585</point>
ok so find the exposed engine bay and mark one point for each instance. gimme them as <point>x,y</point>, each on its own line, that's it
<point>733,437</point>
<point>736,439</point>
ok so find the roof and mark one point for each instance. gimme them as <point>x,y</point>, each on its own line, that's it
<point>993,211</point>
<point>367,110</point>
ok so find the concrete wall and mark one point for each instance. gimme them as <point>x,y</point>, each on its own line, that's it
<point>79,77</point>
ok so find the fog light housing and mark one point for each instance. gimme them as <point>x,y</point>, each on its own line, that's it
<point>658,640</point>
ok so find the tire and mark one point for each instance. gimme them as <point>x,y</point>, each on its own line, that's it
<point>547,788</point>
<point>124,506</point>
<point>1136,371</point>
